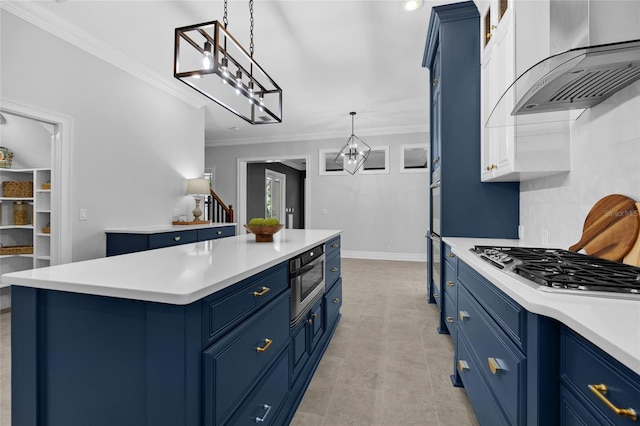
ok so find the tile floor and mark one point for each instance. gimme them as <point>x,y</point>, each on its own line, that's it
<point>386,364</point>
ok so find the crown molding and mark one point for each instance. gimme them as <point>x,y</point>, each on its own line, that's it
<point>382,131</point>
<point>47,21</point>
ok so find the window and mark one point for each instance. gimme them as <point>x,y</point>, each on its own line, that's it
<point>327,164</point>
<point>414,158</point>
<point>377,162</point>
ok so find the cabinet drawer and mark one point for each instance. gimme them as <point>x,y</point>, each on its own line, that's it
<point>317,324</point>
<point>218,232</point>
<point>332,247</point>
<point>448,256</point>
<point>485,406</point>
<point>449,316</point>
<point>333,302</point>
<point>573,413</point>
<point>332,270</point>
<point>449,281</point>
<point>583,364</point>
<point>228,307</point>
<point>233,365</point>
<point>504,311</point>
<point>266,400</point>
<point>501,364</point>
<point>167,239</point>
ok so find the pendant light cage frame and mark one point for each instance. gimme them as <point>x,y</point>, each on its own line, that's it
<point>354,153</point>
<point>210,60</point>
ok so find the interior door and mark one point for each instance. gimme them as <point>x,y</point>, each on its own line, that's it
<point>275,195</point>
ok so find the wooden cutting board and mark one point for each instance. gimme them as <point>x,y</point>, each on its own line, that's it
<point>610,229</point>
<point>633,257</point>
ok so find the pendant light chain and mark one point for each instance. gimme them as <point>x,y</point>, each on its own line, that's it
<point>251,27</point>
<point>224,18</point>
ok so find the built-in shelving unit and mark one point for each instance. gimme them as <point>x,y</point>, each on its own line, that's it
<point>37,231</point>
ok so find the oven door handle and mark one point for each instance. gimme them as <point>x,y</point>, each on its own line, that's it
<point>306,268</point>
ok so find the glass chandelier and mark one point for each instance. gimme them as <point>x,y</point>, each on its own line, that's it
<point>355,152</point>
<point>210,60</point>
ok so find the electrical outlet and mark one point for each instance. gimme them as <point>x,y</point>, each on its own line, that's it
<point>545,237</point>
<point>83,214</point>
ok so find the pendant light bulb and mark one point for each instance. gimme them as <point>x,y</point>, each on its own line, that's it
<point>238,82</point>
<point>252,95</point>
<point>207,59</point>
<point>224,66</point>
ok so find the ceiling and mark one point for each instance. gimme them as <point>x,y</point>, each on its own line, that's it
<point>329,57</point>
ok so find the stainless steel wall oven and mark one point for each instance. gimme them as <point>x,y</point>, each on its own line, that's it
<point>306,280</point>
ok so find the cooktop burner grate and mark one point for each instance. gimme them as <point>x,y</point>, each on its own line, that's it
<point>563,269</point>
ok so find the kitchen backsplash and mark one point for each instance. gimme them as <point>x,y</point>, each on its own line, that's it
<point>605,159</point>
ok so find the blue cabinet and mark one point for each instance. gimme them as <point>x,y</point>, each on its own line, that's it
<point>229,358</point>
<point>461,205</point>
<point>506,357</point>
<point>588,377</point>
<point>122,243</point>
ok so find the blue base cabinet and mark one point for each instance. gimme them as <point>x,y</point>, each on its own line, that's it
<point>584,367</point>
<point>505,357</point>
<point>228,359</point>
<point>123,243</point>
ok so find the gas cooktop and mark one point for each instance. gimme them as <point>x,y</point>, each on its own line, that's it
<point>552,269</point>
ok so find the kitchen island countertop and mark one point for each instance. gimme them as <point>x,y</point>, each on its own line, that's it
<point>154,229</point>
<point>611,324</point>
<point>176,275</point>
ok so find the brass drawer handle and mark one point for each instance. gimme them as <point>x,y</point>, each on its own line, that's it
<point>219,232</point>
<point>262,292</point>
<point>334,245</point>
<point>600,390</point>
<point>450,283</point>
<point>494,365</point>
<point>267,343</point>
<point>463,365</point>
<point>435,296</point>
<point>176,238</point>
<point>336,300</point>
<point>435,82</point>
<point>334,269</point>
<point>463,315</point>
<point>449,319</point>
<point>309,321</point>
<point>451,255</point>
<point>315,315</point>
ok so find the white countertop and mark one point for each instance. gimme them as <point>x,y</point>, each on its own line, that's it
<point>154,229</point>
<point>177,275</point>
<point>611,324</point>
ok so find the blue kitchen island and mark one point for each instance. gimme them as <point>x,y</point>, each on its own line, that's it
<point>197,334</point>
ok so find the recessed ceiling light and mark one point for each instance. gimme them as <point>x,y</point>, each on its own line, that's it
<point>413,4</point>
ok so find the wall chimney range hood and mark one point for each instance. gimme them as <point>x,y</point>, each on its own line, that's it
<point>575,79</point>
<point>560,87</point>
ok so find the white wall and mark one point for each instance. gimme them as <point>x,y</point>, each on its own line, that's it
<point>382,216</point>
<point>605,159</point>
<point>29,140</point>
<point>133,145</point>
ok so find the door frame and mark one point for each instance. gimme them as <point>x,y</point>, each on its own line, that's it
<point>61,241</point>
<point>283,192</point>
<point>241,210</point>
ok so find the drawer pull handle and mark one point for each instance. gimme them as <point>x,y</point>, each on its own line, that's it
<point>267,343</point>
<point>219,232</point>
<point>262,292</point>
<point>334,245</point>
<point>450,283</point>
<point>336,300</point>
<point>266,413</point>
<point>435,296</point>
<point>451,255</point>
<point>600,391</point>
<point>176,238</point>
<point>463,365</point>
<point>494,365</point>
<point>315,315</point>
<point>463,315</point>
<point>309,321</point>
<point>449,319</point>
<point>334,269</point>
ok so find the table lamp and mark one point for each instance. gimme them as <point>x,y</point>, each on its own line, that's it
<point>198,188</point>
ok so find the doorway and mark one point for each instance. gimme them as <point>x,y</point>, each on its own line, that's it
<point>251,188</point>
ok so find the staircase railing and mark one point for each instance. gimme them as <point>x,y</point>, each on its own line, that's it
<point>217,210</point>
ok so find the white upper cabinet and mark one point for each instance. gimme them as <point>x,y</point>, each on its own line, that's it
<point>515,36</point>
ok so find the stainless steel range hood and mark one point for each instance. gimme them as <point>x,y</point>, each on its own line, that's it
<point>561,86</point>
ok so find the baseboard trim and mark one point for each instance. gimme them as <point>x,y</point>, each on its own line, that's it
<point>374,255</point>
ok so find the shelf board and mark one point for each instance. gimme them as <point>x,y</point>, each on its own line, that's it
<point>42,234</point>
<point>43,190</point>
<point>15,199</point>
<point>16,227</point>
<point>4,256</point>
<point>42,257</point>
<point>43,211</point>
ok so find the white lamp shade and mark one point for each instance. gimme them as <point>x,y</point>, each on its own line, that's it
<point>198,187</point>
